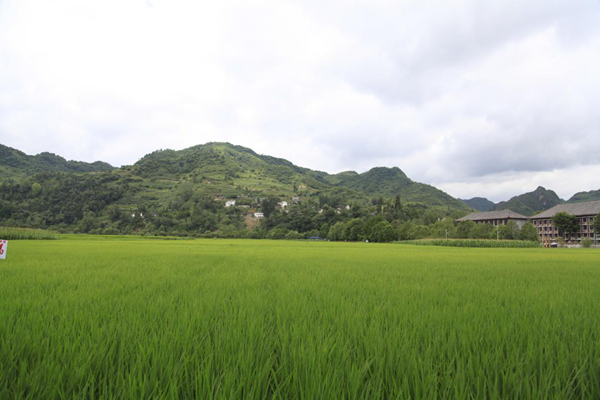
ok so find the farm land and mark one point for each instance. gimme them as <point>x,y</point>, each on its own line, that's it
<point>122,317</point>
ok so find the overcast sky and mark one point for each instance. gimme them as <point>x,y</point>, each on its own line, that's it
<point>479,98</point>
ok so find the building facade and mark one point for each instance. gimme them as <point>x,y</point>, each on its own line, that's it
<point>585,212</point>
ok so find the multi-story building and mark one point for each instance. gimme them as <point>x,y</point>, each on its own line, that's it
<point>585,212</point>
<point>495,218</point>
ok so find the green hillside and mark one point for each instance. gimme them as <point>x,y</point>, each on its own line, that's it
<point>530,203</point>
<point>185,192</point>
<point>222,169</point>
<point>479,203</point>
<point>592,195</point>
<point>388,182</point>
<point>15,163</point>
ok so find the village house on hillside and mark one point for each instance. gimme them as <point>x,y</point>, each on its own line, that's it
<point>230,203</point>
<point>495,218</point>
<point>585,212</point>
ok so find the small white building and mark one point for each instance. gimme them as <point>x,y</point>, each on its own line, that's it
<point>259,215</point>
<point>282,204</point>
<point>230,203</point>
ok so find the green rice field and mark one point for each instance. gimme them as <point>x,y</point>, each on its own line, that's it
<point>128,318</point>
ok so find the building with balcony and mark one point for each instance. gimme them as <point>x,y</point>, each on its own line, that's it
<point>585,212</point>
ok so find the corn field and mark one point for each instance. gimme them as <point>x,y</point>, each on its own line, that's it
<point>7,233</point>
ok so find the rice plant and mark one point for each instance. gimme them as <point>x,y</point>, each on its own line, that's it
<point>296,320</point>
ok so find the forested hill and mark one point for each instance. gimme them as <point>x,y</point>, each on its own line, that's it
<point>479,203</point>
<point>15,163</point>
<point>187,192</point>
<point>592,195</point>
<point>530,203</point>
<point>387,182</point>
<point>227,167</point>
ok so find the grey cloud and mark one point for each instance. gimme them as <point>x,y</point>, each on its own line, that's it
<point>453,93</point>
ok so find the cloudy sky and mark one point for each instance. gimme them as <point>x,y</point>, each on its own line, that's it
<point>479,98</point>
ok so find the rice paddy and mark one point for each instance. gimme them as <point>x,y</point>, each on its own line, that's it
<point>112,318</point>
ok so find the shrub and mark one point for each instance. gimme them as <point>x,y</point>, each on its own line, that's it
<point>587,243</point>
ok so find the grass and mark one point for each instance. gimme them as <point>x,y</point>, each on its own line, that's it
<point>8,233</point>
<point>276,319</point>
<point>473,243</point>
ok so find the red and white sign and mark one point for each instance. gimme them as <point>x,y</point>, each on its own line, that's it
<point>3,246</point>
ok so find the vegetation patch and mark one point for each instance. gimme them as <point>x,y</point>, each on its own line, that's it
<point>296,319</point>
<point>473,243</point>
<point>8,233</point>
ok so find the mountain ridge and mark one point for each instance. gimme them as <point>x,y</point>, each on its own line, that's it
<point>15,163</point>
<point>530,203</point>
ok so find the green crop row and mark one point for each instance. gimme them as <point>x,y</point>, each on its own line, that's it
<point>473,243</point>
<point>233,319</point>
<point>8,233</point>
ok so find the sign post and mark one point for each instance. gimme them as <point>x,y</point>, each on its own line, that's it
<point>3,246</point>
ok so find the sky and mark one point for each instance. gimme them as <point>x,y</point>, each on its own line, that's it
<point>487,99</point>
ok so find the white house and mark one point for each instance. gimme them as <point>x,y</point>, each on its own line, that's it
<point>282,204</point>
<point>259,215</point>
<point>230,203</point>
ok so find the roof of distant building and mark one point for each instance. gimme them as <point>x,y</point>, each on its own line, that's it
<point>490,215</point>
<point>579,209</point>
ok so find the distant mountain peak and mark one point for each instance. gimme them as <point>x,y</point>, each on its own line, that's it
<point>479,203</point>
<point>540,199</point>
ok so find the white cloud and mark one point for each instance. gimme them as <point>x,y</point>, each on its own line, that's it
<point>488,99</point>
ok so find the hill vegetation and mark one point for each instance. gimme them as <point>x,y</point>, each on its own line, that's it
<point>530,203</point>
<point>217,189</point>
<point>388,182</point>
<point>592,195</point>
<point>480,204</point>
<point>15,163</point>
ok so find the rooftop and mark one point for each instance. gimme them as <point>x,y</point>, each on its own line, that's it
<point>579,209</point>
<point>489,215</point>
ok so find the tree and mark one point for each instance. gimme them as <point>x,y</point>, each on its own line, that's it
<point>596,225</point>
<point>383,232</point>
<point>355,229</point>
<point>528,232</point>
<point>337,231</point>
<point>510,231</point>
<point>566,223</point>
<point>445,226</point>
<point>36,189</point>
<point>268,205</point>
<point>397,207</point>
<point>464,228</point>
<point>481,231</point>
<point>380,205</point>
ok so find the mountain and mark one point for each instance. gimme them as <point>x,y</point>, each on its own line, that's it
<point>530,203</point>
<point>15,163</point>
<point>226,168</point>
<point>580,197</point>
<point>479,203</point>
<point>389,182</point>
<point>169,192</point>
